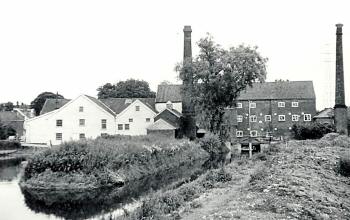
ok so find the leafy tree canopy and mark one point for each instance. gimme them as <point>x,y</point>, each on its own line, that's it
<point>39,101</point>
<point>6,131</point>
<point>130,88</point>
<point>6,106</point>
<point>219,75</point>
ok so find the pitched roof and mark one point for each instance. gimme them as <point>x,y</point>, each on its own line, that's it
<point>169,93</point>
<point>119,104</point>
<point>259,91</point>
<point>53,104</point>
<point>102,105</point>
<point>279,90</point>
<point>325,113</point>
<point>8,116</point>
<point>161,125</point>
<point>166,116</point>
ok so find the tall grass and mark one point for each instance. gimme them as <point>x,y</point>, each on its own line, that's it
<point>108,161</point>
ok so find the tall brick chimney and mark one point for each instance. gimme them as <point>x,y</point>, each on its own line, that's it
<point>340,109</point>
<point>188,111</point>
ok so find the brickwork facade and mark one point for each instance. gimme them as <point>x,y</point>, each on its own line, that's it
<point>274,117</point>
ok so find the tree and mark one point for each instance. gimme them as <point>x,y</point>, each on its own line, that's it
<point>6,131</point>
<point>6,106</point>
<point>39,101</point>
<point>219,75</point>
<point>130,88</point>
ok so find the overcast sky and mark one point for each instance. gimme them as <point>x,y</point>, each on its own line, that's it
<point>74,47</point>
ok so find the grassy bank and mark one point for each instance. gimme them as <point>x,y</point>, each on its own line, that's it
<point>103,162</point>
<point>298,180</point>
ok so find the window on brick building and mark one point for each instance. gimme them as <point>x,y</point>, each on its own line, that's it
<point>295,117</point>
<point>252,105</point>
<point>295,104</point>
<point>239,133</point>
<point>281,104</point>
<point>239,105</point>
<point>239,118</point>
<point>267,117</point>
<point>307,117</point>
<point>253,133</point>
<point>253,118</point>
<point>281,118</point>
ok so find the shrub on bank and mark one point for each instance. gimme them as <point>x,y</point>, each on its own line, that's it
<point>167,203</point>
<point>311,131</point>
<point>212,144</point>
<point>344,165</point>
<point>108,160</point>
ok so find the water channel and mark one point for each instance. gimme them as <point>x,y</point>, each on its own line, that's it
<point>16,203</point>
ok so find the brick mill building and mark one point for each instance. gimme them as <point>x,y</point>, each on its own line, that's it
<point>269,108</point>
<point>272,108</point>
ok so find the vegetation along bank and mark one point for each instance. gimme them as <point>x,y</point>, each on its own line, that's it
<point>109,161</point>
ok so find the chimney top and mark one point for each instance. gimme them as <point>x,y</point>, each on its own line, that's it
<point>187,28</point>
<point>339,25</point>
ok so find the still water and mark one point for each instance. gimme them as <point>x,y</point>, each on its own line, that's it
<point>12,204</point>
<point>20,204</point>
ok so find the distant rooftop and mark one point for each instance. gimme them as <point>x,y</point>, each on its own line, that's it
<point>53,104</point>
<point>259,91</point>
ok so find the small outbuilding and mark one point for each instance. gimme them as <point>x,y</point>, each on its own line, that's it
<point>163,128</point>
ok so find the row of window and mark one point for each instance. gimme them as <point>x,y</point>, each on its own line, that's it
<point>123,126</point>
<point>253,118</point>
<point>59,123</point>
<point>253,133</point>
<point>280,104</point>
<point>132,120</point>
<point>81,108</point>
<point>59,136</point>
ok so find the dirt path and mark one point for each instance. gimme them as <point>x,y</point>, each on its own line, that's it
<point>229,202</point>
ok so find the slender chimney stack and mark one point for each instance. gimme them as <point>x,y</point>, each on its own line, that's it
<point>188,111</point>
<point>340,109</point>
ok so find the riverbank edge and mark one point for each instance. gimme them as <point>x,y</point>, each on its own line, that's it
<point>122,177</point>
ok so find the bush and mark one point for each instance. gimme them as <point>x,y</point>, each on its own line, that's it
<point>110,159</point>
<point>342,141</point>
<point>311,131</point>
<point>6,131</point>
<point>212,144</point>
<point>259,174</point>
<point>9,145</point>
<point>344,165</point>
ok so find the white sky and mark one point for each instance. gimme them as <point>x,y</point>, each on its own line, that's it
<point>74,47</point>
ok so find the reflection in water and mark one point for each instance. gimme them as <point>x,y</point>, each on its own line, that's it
<point>86,204</point>
<point>9,168</point>
<point>81,204</point>
<point>12,204</point>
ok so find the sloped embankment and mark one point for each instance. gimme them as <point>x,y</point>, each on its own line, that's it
<point>299,180</point>
<point>302,181</point>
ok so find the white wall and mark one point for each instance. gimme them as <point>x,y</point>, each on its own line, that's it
<point>139,124</point>
<point>42,129</point>
<point>176,105</point>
